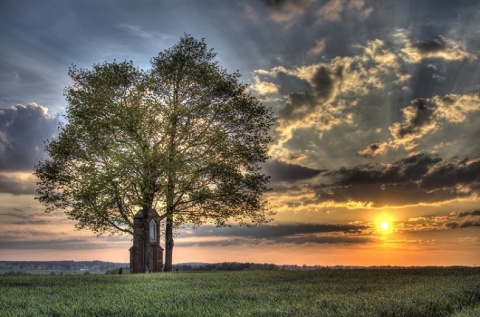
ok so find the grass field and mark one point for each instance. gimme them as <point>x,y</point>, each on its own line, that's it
<point>398,292</point>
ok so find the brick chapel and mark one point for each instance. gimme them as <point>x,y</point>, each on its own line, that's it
<point>137,264</point>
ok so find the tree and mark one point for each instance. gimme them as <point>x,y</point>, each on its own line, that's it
<point>184,138</point>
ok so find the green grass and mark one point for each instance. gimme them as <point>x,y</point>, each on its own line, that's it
<point>412,292</point>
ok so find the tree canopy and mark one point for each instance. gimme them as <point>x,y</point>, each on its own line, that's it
<point>184,138</point>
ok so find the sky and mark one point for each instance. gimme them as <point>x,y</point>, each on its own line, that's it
<point>375,158</point>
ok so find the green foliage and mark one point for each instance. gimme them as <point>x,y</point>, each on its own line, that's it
<point>403,292</point>
<point>184,138</point>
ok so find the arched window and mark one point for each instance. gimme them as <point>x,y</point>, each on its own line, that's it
<point>153,231</point>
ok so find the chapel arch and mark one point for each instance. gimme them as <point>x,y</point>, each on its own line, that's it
<point>153,231</point>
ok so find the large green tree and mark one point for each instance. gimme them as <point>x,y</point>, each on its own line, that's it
<point>184,138</point>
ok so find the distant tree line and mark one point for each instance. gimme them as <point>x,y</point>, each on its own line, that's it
<point>237,266</point>
<point>93,266</point>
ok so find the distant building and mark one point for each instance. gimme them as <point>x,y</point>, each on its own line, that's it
<point>137,264</point>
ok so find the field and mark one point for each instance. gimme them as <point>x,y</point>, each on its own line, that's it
<point>395,292</point>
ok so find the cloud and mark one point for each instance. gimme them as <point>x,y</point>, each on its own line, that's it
<point>44,239</point>
<point>424,116</point>
<point>56,244</point>
<point>464,219</point>
<point>438,47</point>
<point>337,94</point>
<point>419,179</point>
<point>269,231</point>
<point>137,30</point>
<point>324,95</point>
<point>331,11</point>
<point>274,234</point>
<point>318,48</point>
<point>419,120</point>
<point>17,183</point>
<point>462,176</point>
<point>263,88</point>
<point>373,150</point>
<point>465,224</point>
<point>359,6</point>
<point>455,220</point>
<point>455,108</point>
<point>280,171</point>
<point>409,169</point>
<point>475,212</point>
<point>16,213</point>
<point>286,10</point>
<point>292,240</point>
<point>23,130</point>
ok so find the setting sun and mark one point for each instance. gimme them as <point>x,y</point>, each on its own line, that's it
<point>384,225</point>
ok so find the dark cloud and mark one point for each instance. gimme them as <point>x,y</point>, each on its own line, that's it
<point>331,239</point>
<point>373,150</point>
<point>275,231</point>
<point>289,84</point>
<point>417,179</point>
<point>465,224</point>
<point>286,10</point>
<point>27,239</point>
<point>17,186</point>
<point>280,171</point>
<point>452,174</point>
<point>298,105</point>
<point>309,95</point>
<point>295,240</point>
<point>279,4</point>
<point>409,169</point>
<point>32,222</point>
<point>475,212</point>
<point>455,220</point>
<point>434,45</point>
<point>419,116</point>
<point>428,116</point>
<point>67,244</point>
<point>324,83</point>
<point>291,233</point>
<point>438,47</point>
<point>23,130</point>
<point>16,213</point>
<point>470,223</point>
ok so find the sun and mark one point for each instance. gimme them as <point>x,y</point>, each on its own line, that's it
<point>384,225</point>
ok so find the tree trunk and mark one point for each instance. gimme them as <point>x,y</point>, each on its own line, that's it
<point>169,244</point>
<point>171,180</point>
<point>169,222</point>
<point>146,241</point>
